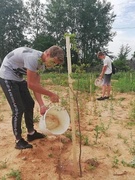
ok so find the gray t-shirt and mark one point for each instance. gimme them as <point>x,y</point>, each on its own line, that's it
<point>16,63</point>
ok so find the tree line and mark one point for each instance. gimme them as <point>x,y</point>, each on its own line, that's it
<point>37,25</point>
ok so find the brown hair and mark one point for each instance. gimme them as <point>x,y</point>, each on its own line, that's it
<point>100,54</point>
<point>56,51</point>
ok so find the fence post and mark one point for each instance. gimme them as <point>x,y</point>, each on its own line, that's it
<point>71,96</point>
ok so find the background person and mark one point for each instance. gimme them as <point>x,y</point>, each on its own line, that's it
<point>29,62</point>
<point>106,75</point>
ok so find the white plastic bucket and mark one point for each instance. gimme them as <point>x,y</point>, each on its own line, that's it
<point>63,118</point>
<point>98,82</point>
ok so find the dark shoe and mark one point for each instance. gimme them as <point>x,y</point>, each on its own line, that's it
<point>36,135</point>
<point>101,98</point>
<point>22,144</point>
<point>106,97</point>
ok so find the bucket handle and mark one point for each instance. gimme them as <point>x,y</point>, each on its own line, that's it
<point>55,104</point>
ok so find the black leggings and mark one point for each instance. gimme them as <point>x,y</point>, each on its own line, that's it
<point>21,102</point>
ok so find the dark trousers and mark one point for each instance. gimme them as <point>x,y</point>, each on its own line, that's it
<point>21,102</point>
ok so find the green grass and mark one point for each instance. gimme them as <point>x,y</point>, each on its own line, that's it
<point>81,82</point>
<point>122,81</point>
<point>14,174</point>
<point>3,164</point>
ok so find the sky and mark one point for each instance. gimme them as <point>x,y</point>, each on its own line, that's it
<point>124,26</point>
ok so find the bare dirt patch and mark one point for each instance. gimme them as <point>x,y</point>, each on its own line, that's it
<point>108,144</point>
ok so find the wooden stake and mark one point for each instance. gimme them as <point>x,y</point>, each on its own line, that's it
<point>68,47</point>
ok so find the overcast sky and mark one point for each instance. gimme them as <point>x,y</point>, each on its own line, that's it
<point>124,25</point>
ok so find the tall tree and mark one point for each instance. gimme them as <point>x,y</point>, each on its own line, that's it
<point>95,26</point>
<point>55,19</point>
<point>12,25</point>
<point>121,63</point>
<point>36,19</point>
<point>133,55</point>
<point>90,20</point>
<point>124,51</point>
<point>43,42</point>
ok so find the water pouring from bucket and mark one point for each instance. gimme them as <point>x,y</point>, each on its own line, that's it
<point>55,121</point>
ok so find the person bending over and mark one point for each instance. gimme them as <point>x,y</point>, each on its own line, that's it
<point>29,62</point>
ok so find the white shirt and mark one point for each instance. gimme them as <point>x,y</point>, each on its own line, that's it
<point>107,62</point>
